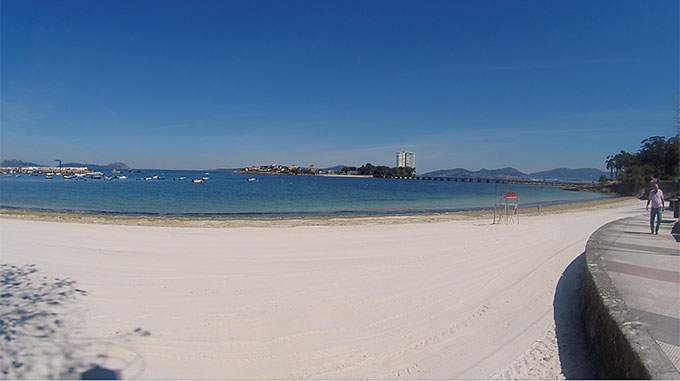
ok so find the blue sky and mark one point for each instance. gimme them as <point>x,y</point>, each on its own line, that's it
<point>204,84</point>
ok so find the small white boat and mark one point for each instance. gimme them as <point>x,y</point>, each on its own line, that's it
<point>198,180</point>
<point>49,176</point>
<point>252,179</point>
<point>122,177</point>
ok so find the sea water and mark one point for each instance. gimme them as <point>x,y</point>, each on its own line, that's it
<point>229,194</point>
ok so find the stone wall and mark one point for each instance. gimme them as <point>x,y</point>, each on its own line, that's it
<point>625,348</point>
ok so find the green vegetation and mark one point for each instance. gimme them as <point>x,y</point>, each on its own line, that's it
<point>657,158</point>
<point>349,170</point>
<point>381,171</point>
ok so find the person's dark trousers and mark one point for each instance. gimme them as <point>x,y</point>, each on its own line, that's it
<point>656,213</point>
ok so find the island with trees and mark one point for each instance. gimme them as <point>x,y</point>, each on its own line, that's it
<point>366,170</point>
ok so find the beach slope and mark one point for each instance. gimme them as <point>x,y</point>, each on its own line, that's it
<point>446,299</point>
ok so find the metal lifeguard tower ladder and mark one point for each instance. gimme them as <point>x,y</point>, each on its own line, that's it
<point>506,208</point>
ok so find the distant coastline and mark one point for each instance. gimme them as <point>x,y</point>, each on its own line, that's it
<point>242,172</point>
<point>558,175</point>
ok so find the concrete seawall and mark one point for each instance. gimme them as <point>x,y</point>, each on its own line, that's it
<point>617,335</point>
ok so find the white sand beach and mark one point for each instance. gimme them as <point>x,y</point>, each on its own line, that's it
<point>431,300</point>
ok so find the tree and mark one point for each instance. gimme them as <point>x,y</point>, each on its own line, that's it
<point>366,169</point>
<point>611,164</point>
<point>657,158</point>
<point>384,171</point>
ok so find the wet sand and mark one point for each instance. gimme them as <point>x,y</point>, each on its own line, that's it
<point>217,222</point>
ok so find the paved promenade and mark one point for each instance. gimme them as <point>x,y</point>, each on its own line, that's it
<point>637,275</point>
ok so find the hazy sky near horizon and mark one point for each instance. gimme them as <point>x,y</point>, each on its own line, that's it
<point>204,84</point>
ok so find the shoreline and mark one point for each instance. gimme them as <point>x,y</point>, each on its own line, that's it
<point>290,221</point>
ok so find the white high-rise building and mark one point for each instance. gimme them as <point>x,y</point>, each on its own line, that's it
<point>406,159</point>
<point>410,160</point>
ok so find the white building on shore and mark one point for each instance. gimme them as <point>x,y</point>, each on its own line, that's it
<point>406,159</point>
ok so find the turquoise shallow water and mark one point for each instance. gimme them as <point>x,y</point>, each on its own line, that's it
<point>228,194</point>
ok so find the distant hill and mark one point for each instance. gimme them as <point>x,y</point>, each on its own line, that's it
<point>507,172</point>
<point>336,168</point>
<point>19,163</point>
<point>502,173</point>
<point>116,165</point>
<point>455,172</point>
<point>568,174</point>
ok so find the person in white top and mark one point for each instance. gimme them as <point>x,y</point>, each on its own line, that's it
<point>656,198</point>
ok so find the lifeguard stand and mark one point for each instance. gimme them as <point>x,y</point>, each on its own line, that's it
<point>506,209</point>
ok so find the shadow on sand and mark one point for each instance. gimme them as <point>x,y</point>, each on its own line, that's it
<point>39,329</point>
<point>576,359</point>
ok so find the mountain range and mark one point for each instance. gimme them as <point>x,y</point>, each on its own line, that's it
<point>509,173</point>
<point>19,164</point>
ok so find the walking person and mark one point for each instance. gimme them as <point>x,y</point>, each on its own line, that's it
<point>657,200</point>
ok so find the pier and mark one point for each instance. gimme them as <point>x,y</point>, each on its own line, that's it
<point>491,181</point>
